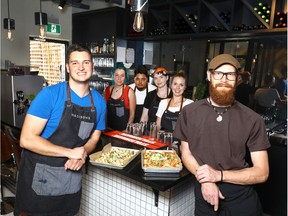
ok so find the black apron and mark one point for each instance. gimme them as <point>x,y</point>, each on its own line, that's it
<point>117,114</point>
<point>139,108</point>
<point>44,186</point>
<point>154,107</point>
<point>169,119</point>
<point>239,200</point>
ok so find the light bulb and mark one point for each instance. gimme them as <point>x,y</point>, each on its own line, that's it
<point>42,31</point>
<point>138,24</point>
<point>9,35</point>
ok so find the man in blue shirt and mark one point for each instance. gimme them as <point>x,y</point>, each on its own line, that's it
<point>62,126</point>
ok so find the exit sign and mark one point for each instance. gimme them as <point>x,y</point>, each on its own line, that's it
<point>54,28</point>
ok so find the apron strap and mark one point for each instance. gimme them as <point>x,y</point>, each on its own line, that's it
<point>168,104</point>
<point>181,105</point>
<point>69,97</point>
<point>113,89</point>
<point>182,99</point>
<point>158,96</point>
<point>92,101</point>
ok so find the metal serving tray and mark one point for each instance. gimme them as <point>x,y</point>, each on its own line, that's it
<point>107,148</point>
<point>161,169</point>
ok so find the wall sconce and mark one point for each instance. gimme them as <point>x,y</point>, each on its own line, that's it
<point>174,57</point>
<point>62,4</point>
<point>41,20</point>
<point>9,24</point>
<point>140,7</point>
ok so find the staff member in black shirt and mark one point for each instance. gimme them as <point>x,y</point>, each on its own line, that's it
<point>151,104</point>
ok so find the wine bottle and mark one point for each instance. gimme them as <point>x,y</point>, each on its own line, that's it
<point>105,44</point>
<point>112,45</point>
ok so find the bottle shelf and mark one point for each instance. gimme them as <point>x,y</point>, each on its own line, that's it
<point>103,55</point>
<point>168,18</point>
<point>159,21</point>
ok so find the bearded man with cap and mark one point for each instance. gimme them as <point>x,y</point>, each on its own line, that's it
<point>215,134</point>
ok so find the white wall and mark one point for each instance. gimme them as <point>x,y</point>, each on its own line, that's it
<point>22,11</point>
<point>17,51</point>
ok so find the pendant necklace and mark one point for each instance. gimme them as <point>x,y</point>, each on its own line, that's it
<point>219,117</point>
<point>116,90</point>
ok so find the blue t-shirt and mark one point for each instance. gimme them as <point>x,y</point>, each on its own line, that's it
<point>49,104</point>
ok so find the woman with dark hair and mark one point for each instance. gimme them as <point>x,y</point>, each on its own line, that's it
<point>152,100</point>
<point>121,100</point>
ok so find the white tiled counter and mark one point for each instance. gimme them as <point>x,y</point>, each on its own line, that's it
<point>106,192</point>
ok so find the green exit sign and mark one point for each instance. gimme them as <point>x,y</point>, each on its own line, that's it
<point>54,28</point>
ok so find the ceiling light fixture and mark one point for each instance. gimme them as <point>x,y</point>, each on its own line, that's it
<point>140,7</point>
<point>41,20</point>
<point>9,24</point>
<point>62,4</point>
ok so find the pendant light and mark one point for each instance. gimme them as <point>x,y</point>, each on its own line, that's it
<point>9,24</point>
<point>41,20</point>
<point>140,7</point>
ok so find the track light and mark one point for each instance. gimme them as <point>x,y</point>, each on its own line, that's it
<point>61,5</point>
<point>140,7</point>
<point>9,24</point>
<point>41,20</point>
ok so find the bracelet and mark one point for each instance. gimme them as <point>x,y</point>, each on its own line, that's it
<point>221,176</point>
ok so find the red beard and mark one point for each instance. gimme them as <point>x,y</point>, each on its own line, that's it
<point>222,97</point>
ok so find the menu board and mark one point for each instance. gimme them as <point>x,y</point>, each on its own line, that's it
<point>144,141</point>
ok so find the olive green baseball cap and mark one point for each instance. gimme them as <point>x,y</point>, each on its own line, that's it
<point>223,59</point>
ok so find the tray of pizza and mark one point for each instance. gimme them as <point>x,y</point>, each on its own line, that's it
<point>113,157</point>
<point>160,161</point>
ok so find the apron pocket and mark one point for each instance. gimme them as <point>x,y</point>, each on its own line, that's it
<point>85,129</point>
<point>120,111</point>
<point>173,125</point>
<point>55,181</point>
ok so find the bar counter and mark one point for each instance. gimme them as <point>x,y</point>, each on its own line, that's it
<point>130,191</point>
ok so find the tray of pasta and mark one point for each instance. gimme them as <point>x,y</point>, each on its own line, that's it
<point>160,161</point>
<point>113,157</point>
